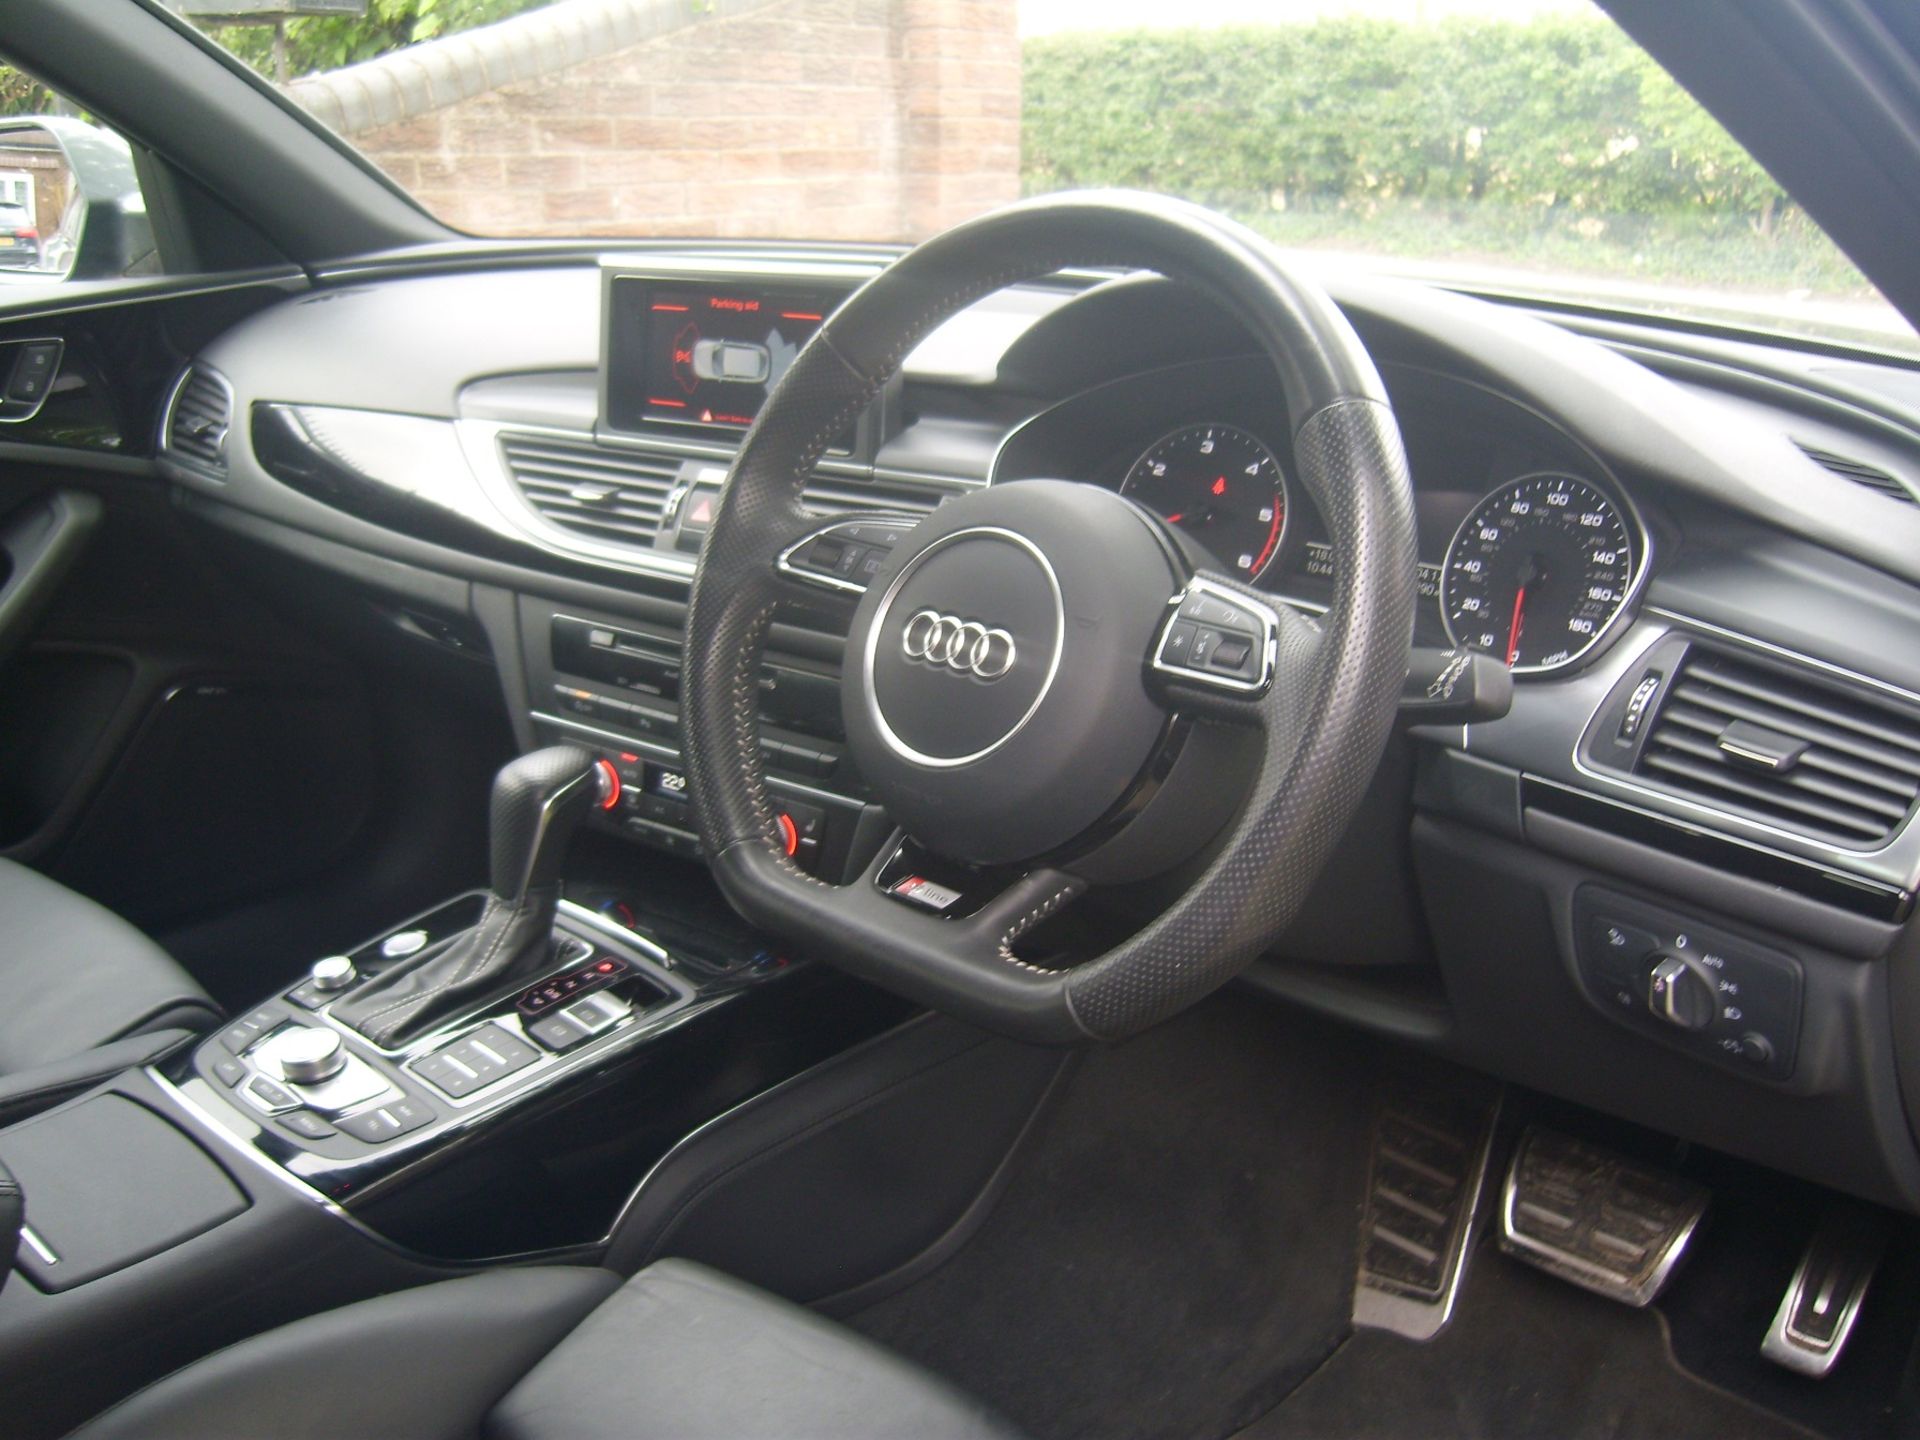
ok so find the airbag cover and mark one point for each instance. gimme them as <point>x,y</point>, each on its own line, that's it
<point>995,692</point>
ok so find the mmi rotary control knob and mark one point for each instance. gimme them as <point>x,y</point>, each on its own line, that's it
<point>309,1056</point>
<point>1681,991</point>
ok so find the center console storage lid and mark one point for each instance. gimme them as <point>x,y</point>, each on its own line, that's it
<point>107,1182</point>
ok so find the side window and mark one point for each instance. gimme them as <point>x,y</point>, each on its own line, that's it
<point>70,203</point>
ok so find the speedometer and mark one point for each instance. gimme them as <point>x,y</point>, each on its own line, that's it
<point>1220,485</point>
<point>1537,572</point>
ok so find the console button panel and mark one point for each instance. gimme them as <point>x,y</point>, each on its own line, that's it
<point>1746,997</point>
<point>476,1060</point>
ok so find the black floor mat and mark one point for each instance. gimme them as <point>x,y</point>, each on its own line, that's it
<point>1176,1250</point>
<point>1526,1355</point>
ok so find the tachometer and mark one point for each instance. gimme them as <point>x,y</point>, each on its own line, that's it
<point>1220,485</point>
<point>1537,572</point>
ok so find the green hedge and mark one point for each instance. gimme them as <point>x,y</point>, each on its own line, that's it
<point>1541,118</point>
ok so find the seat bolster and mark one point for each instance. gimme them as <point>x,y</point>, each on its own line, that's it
<point>422,1364</point>
<point>682,1352</point>
<point>77,976</point>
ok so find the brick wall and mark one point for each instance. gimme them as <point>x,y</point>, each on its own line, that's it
<point>837,119</point>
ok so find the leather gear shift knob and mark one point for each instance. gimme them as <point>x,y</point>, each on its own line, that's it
<point>537,801</point>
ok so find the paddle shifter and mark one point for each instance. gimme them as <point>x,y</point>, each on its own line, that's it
<point>537,801</point>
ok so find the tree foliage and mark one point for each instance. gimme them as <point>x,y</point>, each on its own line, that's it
<point>326,42</point>
<point>1556,116</point>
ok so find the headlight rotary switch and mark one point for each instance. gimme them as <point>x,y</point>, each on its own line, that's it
<point>1681,991</point>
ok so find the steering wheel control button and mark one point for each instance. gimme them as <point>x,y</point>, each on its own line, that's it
<point>389,1121</point>
<point>846,556</point>
<point>1215,638</point>
<point>475,1061</point>
<point>307,1125</point>
<point>1725,999</point>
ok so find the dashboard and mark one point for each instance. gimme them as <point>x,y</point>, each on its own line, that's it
<point>1695,555</point>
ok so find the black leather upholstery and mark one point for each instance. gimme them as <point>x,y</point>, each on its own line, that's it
<point>682,1352</point>
<point>424,1364</point>
<point>556,1354</point>
<point>86,994</point>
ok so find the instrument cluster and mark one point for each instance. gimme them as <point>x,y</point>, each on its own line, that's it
<point>1529,550</point>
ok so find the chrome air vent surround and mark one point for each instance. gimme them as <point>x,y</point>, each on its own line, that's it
<point>1789,749</point>
<point>589,489</point>
<point>199,417</point>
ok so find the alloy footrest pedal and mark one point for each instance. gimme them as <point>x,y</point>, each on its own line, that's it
<point>1428,1165</point>
<point>1823,1298</point>
<point>1606,1223</point>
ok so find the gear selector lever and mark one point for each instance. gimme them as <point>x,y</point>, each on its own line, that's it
<point>537,801</point>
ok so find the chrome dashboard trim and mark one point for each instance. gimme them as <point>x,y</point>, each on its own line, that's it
<point>219,475</point>
<point>480,442</point>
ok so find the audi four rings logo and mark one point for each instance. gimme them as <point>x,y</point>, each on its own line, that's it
<point>964,646</point>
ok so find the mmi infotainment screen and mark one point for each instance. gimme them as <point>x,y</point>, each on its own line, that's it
<point>701,355</point>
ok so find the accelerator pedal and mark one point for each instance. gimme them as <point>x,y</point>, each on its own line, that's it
<point>1823,1298</point>
<point>1428,1166</point>
<point>1606,1223</point>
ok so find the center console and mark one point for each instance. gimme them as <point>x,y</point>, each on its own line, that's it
<point>492,1079</point>
<point>304,1091</point>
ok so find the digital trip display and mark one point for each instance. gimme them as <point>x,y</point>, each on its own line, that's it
<point>699,355</point>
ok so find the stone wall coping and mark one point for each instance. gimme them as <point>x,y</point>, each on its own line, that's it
<point>435,73</point>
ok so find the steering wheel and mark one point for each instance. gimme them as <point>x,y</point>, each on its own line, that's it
<point>1025,663</point>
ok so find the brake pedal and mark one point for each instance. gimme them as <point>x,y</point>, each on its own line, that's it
<point>1428,1166</point>
<point>1823,1299</point>
<point>1597,1219</point>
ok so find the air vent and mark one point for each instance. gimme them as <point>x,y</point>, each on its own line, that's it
<point>846,497</point>
<point>1861,473</point>
<point>590,489</point>
<point>197,424</point>
<point>1801,754</point>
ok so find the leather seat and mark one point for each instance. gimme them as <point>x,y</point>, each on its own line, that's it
<point>678,1351</point>
<point>87,995</point>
